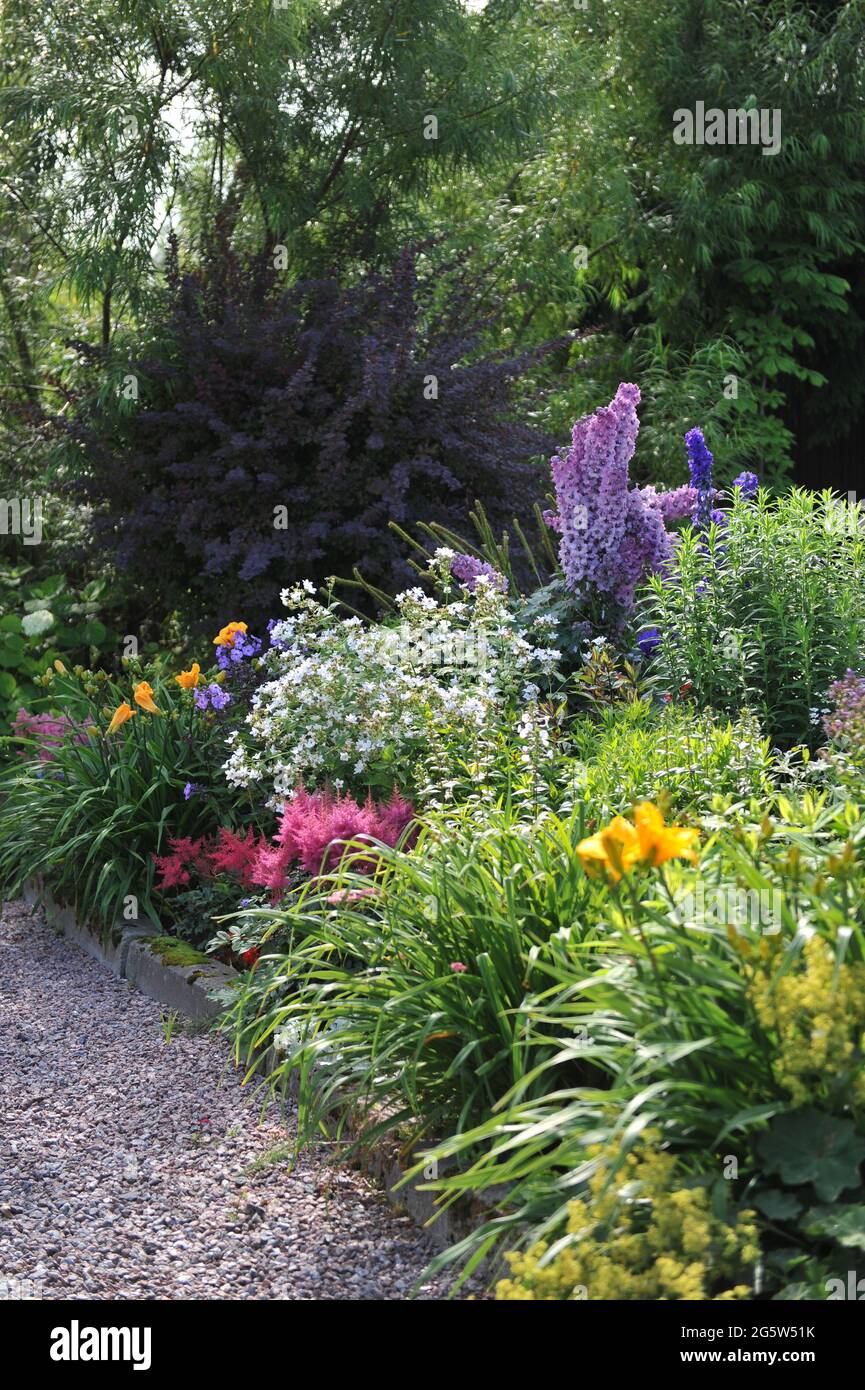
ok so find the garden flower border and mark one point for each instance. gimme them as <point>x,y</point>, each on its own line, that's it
<point>191,990</point>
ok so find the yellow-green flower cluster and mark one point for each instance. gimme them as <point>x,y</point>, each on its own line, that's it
<point>639,1237</point>
<point>817,1016</point>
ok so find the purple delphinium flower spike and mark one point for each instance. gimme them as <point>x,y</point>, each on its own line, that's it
<point>747,483</point>
<point>700,465</point>
<point>611,534</point>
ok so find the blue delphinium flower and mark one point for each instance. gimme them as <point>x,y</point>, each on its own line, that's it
<point>649,641</point>
<point>700,465</point>
<point>747,483</point>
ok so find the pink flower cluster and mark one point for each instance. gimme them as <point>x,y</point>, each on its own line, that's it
<point>314,828</point>
<point>48,730</point>
<point>612,535</point>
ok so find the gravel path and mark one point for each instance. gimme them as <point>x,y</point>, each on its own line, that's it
<point>132,1169</point>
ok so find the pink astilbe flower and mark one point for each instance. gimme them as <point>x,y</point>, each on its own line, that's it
<point>186,855</point>
<point>315,827</point>
<point>237,855</point>
<point>48,730</point>
<point>393,817</point>
<point>351,896</point>
<point>611,535</point>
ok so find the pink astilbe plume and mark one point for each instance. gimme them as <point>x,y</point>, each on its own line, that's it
<point>237,855</point>
<point>315,827</point>
<point>392,818</point>
<point>186,855</point>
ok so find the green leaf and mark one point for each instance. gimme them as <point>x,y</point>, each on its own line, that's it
<point>809,1146</point>
<point>846,1224</point>
<point>12,649</point>
<point>94,632</point>
<point>778,1206</point>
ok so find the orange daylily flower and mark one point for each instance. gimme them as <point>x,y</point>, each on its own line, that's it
<point>188,680</point>
<point>225,637</point>
<point>660,842</point>
<point>615,849</point>
<point>143,696</point>
<point>120,716</point>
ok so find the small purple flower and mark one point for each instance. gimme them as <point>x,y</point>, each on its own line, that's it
<point>190,789</point>
<point>275,643</point>
<point>649,641</point>
<point>747,483</point>
<point>468,570</point>
<point>243,646</point>
<point>212,696</point>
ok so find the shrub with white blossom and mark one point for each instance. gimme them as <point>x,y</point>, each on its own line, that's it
<point>357,704</point>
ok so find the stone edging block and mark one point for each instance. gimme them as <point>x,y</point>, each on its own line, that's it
<point>124,950</point>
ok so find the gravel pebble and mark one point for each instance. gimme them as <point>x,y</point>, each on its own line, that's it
<point>126,1165</point>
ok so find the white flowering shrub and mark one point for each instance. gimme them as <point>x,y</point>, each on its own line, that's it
<point>360,704</point>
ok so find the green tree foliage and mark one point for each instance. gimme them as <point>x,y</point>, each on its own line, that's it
<point>694,263</point>
<point>302,124</point>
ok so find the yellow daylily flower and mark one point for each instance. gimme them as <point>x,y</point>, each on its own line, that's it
<point>120,716</point>
<point>143,696</point>
<point>612,849</point>
<point>615,849</point>
<point>226,636</point>
<point>188,680</point>
<point>660,842</point>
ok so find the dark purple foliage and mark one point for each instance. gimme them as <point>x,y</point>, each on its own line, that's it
<point>314,409</point>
